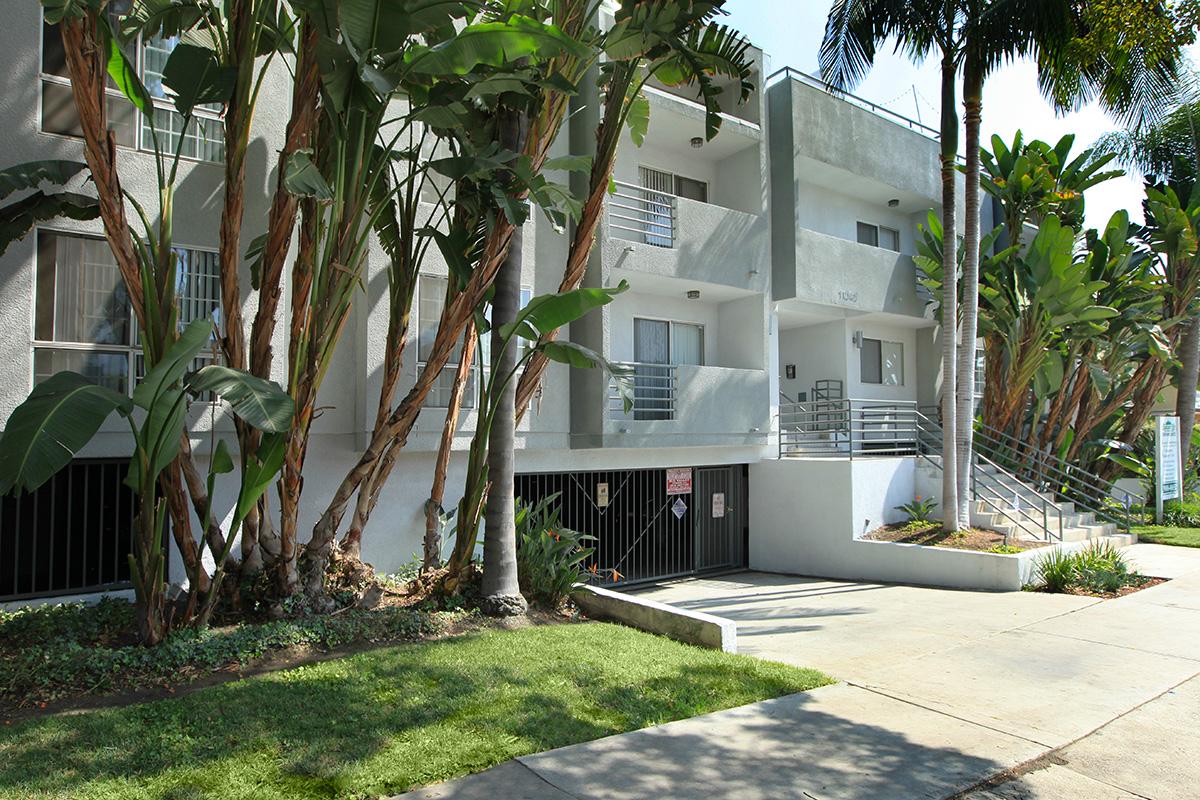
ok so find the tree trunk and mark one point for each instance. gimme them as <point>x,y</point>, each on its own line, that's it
<point>965,432</point>
<point>501,593</point>
<point>432,555</point>
<point>1189,374</point>
<point>949,136</point>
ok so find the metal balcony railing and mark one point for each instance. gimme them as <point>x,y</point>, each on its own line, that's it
<point>638,214</point>
<point>848,428</point>
<point>654,391</point>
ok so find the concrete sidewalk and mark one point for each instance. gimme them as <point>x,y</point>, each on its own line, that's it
<point>942,690</point>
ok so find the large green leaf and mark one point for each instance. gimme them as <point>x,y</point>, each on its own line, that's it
<point>383,26</point>
<point>259,402</point>
<point>494,44</point>
<point>171,368</point>
<point>57,10</point>
<point>302,178</point>
<point>549,312</point>
<point>159,434</point>
<point>259,473</point>
<point>576,355</point>
<point>32,174</point>
<point>44,433</point>
<point>197,76</point>
<point>18,218</point>
<point>124,72</point>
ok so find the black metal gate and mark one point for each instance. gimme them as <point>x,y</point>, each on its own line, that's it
<point>70,536</point>
<point>645,530</point>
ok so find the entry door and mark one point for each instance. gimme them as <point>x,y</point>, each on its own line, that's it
<point>718,508</point>
<point>652,390</point>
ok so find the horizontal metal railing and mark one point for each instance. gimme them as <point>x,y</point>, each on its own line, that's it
<point>848,428</point>
<point>655,387</point>
<point>639,214</point>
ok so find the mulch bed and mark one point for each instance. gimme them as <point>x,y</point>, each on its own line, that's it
<point>1145,582</point>
<point>932,535</point>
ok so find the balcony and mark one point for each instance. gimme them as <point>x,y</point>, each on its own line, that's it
<point>831,271</point>
<point>688,405</point>
<point>655,233</point>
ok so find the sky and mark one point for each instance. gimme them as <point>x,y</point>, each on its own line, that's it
<point>790,32</point>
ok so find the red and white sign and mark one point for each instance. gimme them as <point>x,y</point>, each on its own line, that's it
<point>679,480</point>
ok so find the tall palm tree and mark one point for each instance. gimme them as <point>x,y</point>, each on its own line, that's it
<point>1122,54</point>
<point>855,29</point>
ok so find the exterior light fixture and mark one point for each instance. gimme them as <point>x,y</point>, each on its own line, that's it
<point>697,142</point>
<point>895,201</point>
<point>693,294</point>
<point>858,340</point>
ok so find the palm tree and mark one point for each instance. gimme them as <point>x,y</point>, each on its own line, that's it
<point>853,32</point>
<point>1123,55</point>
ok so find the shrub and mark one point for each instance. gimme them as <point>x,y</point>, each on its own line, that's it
<point>549,557</point>
<point>1055,571</point>
<point>49,652</point>
<point>1181,515</point>
<point>1099,568</point>
<point>919,510</point>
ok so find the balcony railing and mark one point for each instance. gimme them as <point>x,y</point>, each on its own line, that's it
<point>638,214</point>
<point>848,428</point>
<point>655,387</point>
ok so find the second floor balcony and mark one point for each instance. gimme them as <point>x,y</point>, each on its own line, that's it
<point>651,231</point>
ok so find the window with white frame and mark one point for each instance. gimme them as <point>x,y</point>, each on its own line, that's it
<point>431,299</point>
<point>83,320</point>
<point>878,236</point>
<point>882,362</point>
<point>204,137</point>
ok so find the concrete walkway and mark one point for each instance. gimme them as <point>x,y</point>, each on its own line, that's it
<point>942,690</point>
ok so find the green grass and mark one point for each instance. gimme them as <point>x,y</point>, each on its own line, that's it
<point>1159,534</point>
<point>384,721</point>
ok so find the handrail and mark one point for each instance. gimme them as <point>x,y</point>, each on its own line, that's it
<point>1069,480</point>
<point>978,479</point>
<point>648,214</point>
<point>655,387</point>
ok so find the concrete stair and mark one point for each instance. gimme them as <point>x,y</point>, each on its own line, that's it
<point>1019,511</point>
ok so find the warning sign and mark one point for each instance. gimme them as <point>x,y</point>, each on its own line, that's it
<point>602,495</point>
<point>679,480</point>
<point>718,508</point>
<point>679,508</point>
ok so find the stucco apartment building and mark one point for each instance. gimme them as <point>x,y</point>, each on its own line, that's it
<point>769,267</point>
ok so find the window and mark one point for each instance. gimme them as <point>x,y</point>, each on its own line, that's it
<point>204,138</point>
<point>83,321</point>
<point>889,238</point>
<point>882,362</point>
<point>878,236</point>
<point>431,299</point>
<point>868,234</point>
<point>691,188</point>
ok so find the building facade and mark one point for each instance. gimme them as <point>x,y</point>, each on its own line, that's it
<point>767,267</point>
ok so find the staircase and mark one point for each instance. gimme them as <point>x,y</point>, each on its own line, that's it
<point>1032,496</point>
<point>1013,507</point>
<point>1016,489</point>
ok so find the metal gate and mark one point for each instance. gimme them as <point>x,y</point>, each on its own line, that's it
<point>642,532</point>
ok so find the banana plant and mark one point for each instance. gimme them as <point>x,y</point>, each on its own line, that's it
<point>64,412</point>
<point>543,313</point>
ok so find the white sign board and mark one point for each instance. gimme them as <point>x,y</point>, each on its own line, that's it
<point>601,495</point>
<point>679,480</point>
<point>679,508</point>
<point>1167,469</point>
<point>718,505</point>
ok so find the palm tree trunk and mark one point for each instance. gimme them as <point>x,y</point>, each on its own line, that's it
<point>949,136</point>
<point>964,434</point>
<point>501,594</point>
<point>1189,374</point>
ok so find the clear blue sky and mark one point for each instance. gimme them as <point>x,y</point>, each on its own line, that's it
<point>790,32</point>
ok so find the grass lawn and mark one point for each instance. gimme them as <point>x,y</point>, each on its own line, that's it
<point>1158,534</point>
<point>386,720</point>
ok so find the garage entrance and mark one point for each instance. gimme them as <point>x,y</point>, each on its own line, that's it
<point>652,524</point>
